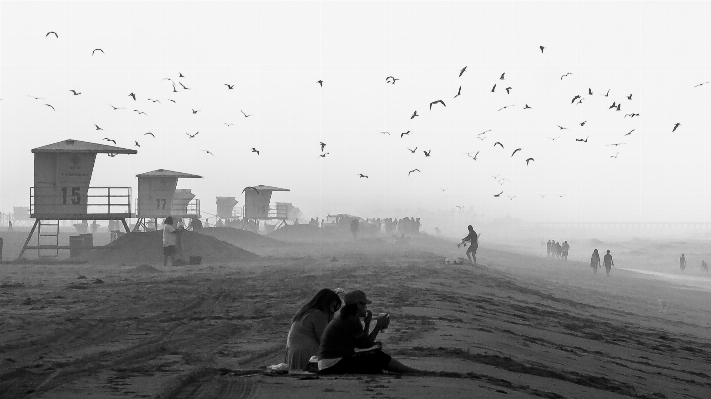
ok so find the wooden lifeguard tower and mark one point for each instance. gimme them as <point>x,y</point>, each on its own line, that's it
<point>62,192</point>
<point>225,208</point>
<point>257,205</point>
<point>159,197</point>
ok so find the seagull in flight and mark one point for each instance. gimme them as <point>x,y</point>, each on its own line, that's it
<point>412,151</point>
<point>506,106</point>
<point>115,108</point>
<point>97,127</point>
<point>526,107</point>
<point>629,97</point>
<point>615,156</point>
<point>435,102</point>
<point>615,144</point>
<point>515,151</point>
<point>675,126</point>
<point>320,82</point>
<point>132,95</point>
<point>153,135</point>
<point>459,92</point>
<point>414,170</point>
<point>255,150</point>
<point>511,197</point>
<point>137,145</point>
<point>170,99</point>
<point>529,160</point>
<point>195,111</point>
<point>245,115</point>
<point>402,134</point>
<point>192,135</point>
<point>630,132</point>
<point>583,123</point>
<point>507,90</point>
<point>75,92</point>
<point>427,153</point>
<point>608,93</point>
<point>541,47</point>
<point>229,124</point>
<point>502,76</point>
<point>229,87</point>
<point>613,105</point>
<point>322,144</point>
<point>700,84</point>
<point>36,98</point>
<point>252,188</point>
<point>542,195</point>
<point>484,132</point>
<point>498,195</point>
<point>185,88</point>
<point>208,152</point>
<point>561,127</point>
<point>473,157</point>
<point>569,73</point>
<point>585,140</point>
<point>458,206</point>
<point>388,79</point>
<point>324,154</point>
<point>462,71</point>
<point>97,49</point>
<point>140,112</point>
<point>52,33</point>
<point>553,138</point>
<point>362,176</point>
<point>590,91</point>
<point>388,133</point>
<point>499,143</point>
<point>493,88</point>
<point>108,139</point>
<point>174,91</point>
<point>577,96</point>
<point>180,75</point>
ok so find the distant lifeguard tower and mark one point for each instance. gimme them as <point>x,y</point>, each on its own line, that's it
<point>62,192</point>
<point>158,197</point>
<point>257,208</point>
<point>225,208</point>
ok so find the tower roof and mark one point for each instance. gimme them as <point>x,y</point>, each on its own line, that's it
<point>71,145</point>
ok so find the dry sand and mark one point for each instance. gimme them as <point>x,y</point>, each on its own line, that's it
<point>516,326</point>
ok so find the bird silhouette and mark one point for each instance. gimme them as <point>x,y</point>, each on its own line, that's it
<point>484,132</point>
<point>618,106</point>
<point>414,170</point>
<point>388,133</point>
<point>412,151</point>
<point>174,91</point>
<point>630,132</point>
<point>414,115</point>
<point>542,195</point>
<point>515,151</point>
<point>458,206</point>
<point>435,102</point>
<point>322,144</point>
<point>362,176</point>
<point>675,126</point>
<point>153,135</point>
<point>495,177</point>
<point>184,88</point>
<point>473,157</point>
<point>580,101</point>
<point>229,87</point>
<point>541,47</point>
<point>251,188</point>
<point>498,195</point>
<point>97,127</point>
<point>255,150</point>
<point>462,71</point>
<point>459,92</point>
<point>229,124</point>
<point>137,145</point>
<point>585,140</point>
<point>629,97</point>
<point>493,88</point>
<point>499,143</point>
<point>402,134</point>
<point>192,135</point>
<point>590,91</point>
<point>52,33</point>
<point>245,115</point>
<point>320,82</point>
<point>115,108</point>
<point>427,153</point>
<point>561,127</point>
<point>97,49</point>
<point>526,107</point>
<point>569,73</point>
<point>583,123</point>
<point>180,75</point>
<point>502,76</point>
<point>615,156</point>
<point>75,92</point>
<point>553,138</point>
<point>195,111</point>
<point>615,144</point>
<point>324,154</point>
<point>208,152</point>
<point>561,195</point>
<point>511,197</point>
<point>508,90</point>
<point>111,140</point>
<point>36,98</point>
<point>171,100</point>
<point>390,79</point>
<point>700,84</point>
<point>613,105</point>
<point>132,95</point>
<point>140,112</point>
<point>577,96</point>
<point>505,106</point>
<point>529,160</point>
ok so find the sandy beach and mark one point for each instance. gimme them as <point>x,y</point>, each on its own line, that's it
<point>516,325</point>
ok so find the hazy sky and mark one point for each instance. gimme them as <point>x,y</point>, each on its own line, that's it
<point>275,52</point>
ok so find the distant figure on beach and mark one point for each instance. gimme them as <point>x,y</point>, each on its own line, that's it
<point>595,260</point>
<point>565,247</point>
<point>549,246</point>
<point>682,263</point>
<point>169,239</point>
<point>556,249</point>
<point>704,266</point>
<point>307,328</point>
<point>345,333</point>
<point>9,225</point>
<point>354,228</point>
<point>94,227</point>
<point>607,261</point>
<point>473,239</point>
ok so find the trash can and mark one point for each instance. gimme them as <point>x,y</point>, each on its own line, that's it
<point>76,245</point>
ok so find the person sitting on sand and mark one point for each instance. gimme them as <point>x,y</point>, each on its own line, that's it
<point>595,260</point>
<point>564,248</point>
<point>344,334</point>
<point>607,261</point>
<point>473,239</point>
<point>169,239</point>
<point>307,328</point>
<point>682,263</point>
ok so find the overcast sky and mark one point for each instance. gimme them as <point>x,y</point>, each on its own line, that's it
<point>275,52</point>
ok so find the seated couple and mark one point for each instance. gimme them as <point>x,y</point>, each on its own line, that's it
<point>335,338</point>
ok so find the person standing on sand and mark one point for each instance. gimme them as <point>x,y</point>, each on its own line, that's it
<point>169,238</point>
<point>704,266</point>
<point>595,260</point>
<point>548,248</point>
<point>565,248</point>
<point>607,261</point>
<point>345,333</point>
<point>473,239</point>
<point>307,328</point>
<point>682,263</point>
<point>354,228</point>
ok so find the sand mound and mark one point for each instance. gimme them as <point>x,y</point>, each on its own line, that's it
<point>304,232</point>
<point>144,269</point>
<point>148,248</point>
<point>239,238</point>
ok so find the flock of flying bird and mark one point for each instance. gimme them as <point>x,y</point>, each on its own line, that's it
<point>577,100</point>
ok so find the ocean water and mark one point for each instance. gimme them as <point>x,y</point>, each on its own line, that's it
<point>702,282</point>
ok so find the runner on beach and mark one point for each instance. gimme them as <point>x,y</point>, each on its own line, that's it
<point>607,261</point>
<point>473,239</point>
<point>595,260</point>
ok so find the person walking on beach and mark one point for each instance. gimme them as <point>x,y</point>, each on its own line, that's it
<point>354,228</point>
<point>704,266</point>
<point>608,262</point>
<point>565,248</point>
<point>473,239</point>
<point>595,260</point>
<point>169,238</point>
<point>682,262</point>
<point>548,248</point>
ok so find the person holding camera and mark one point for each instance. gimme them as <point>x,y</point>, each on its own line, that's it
<point>347,347</point>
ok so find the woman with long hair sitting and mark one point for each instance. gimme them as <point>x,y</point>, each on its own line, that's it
<point>307,328</point>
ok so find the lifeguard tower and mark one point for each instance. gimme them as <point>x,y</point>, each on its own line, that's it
<point>257,208</point>
<point>225,208</point>
<point>62,192</point>
<point>158,197</point>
